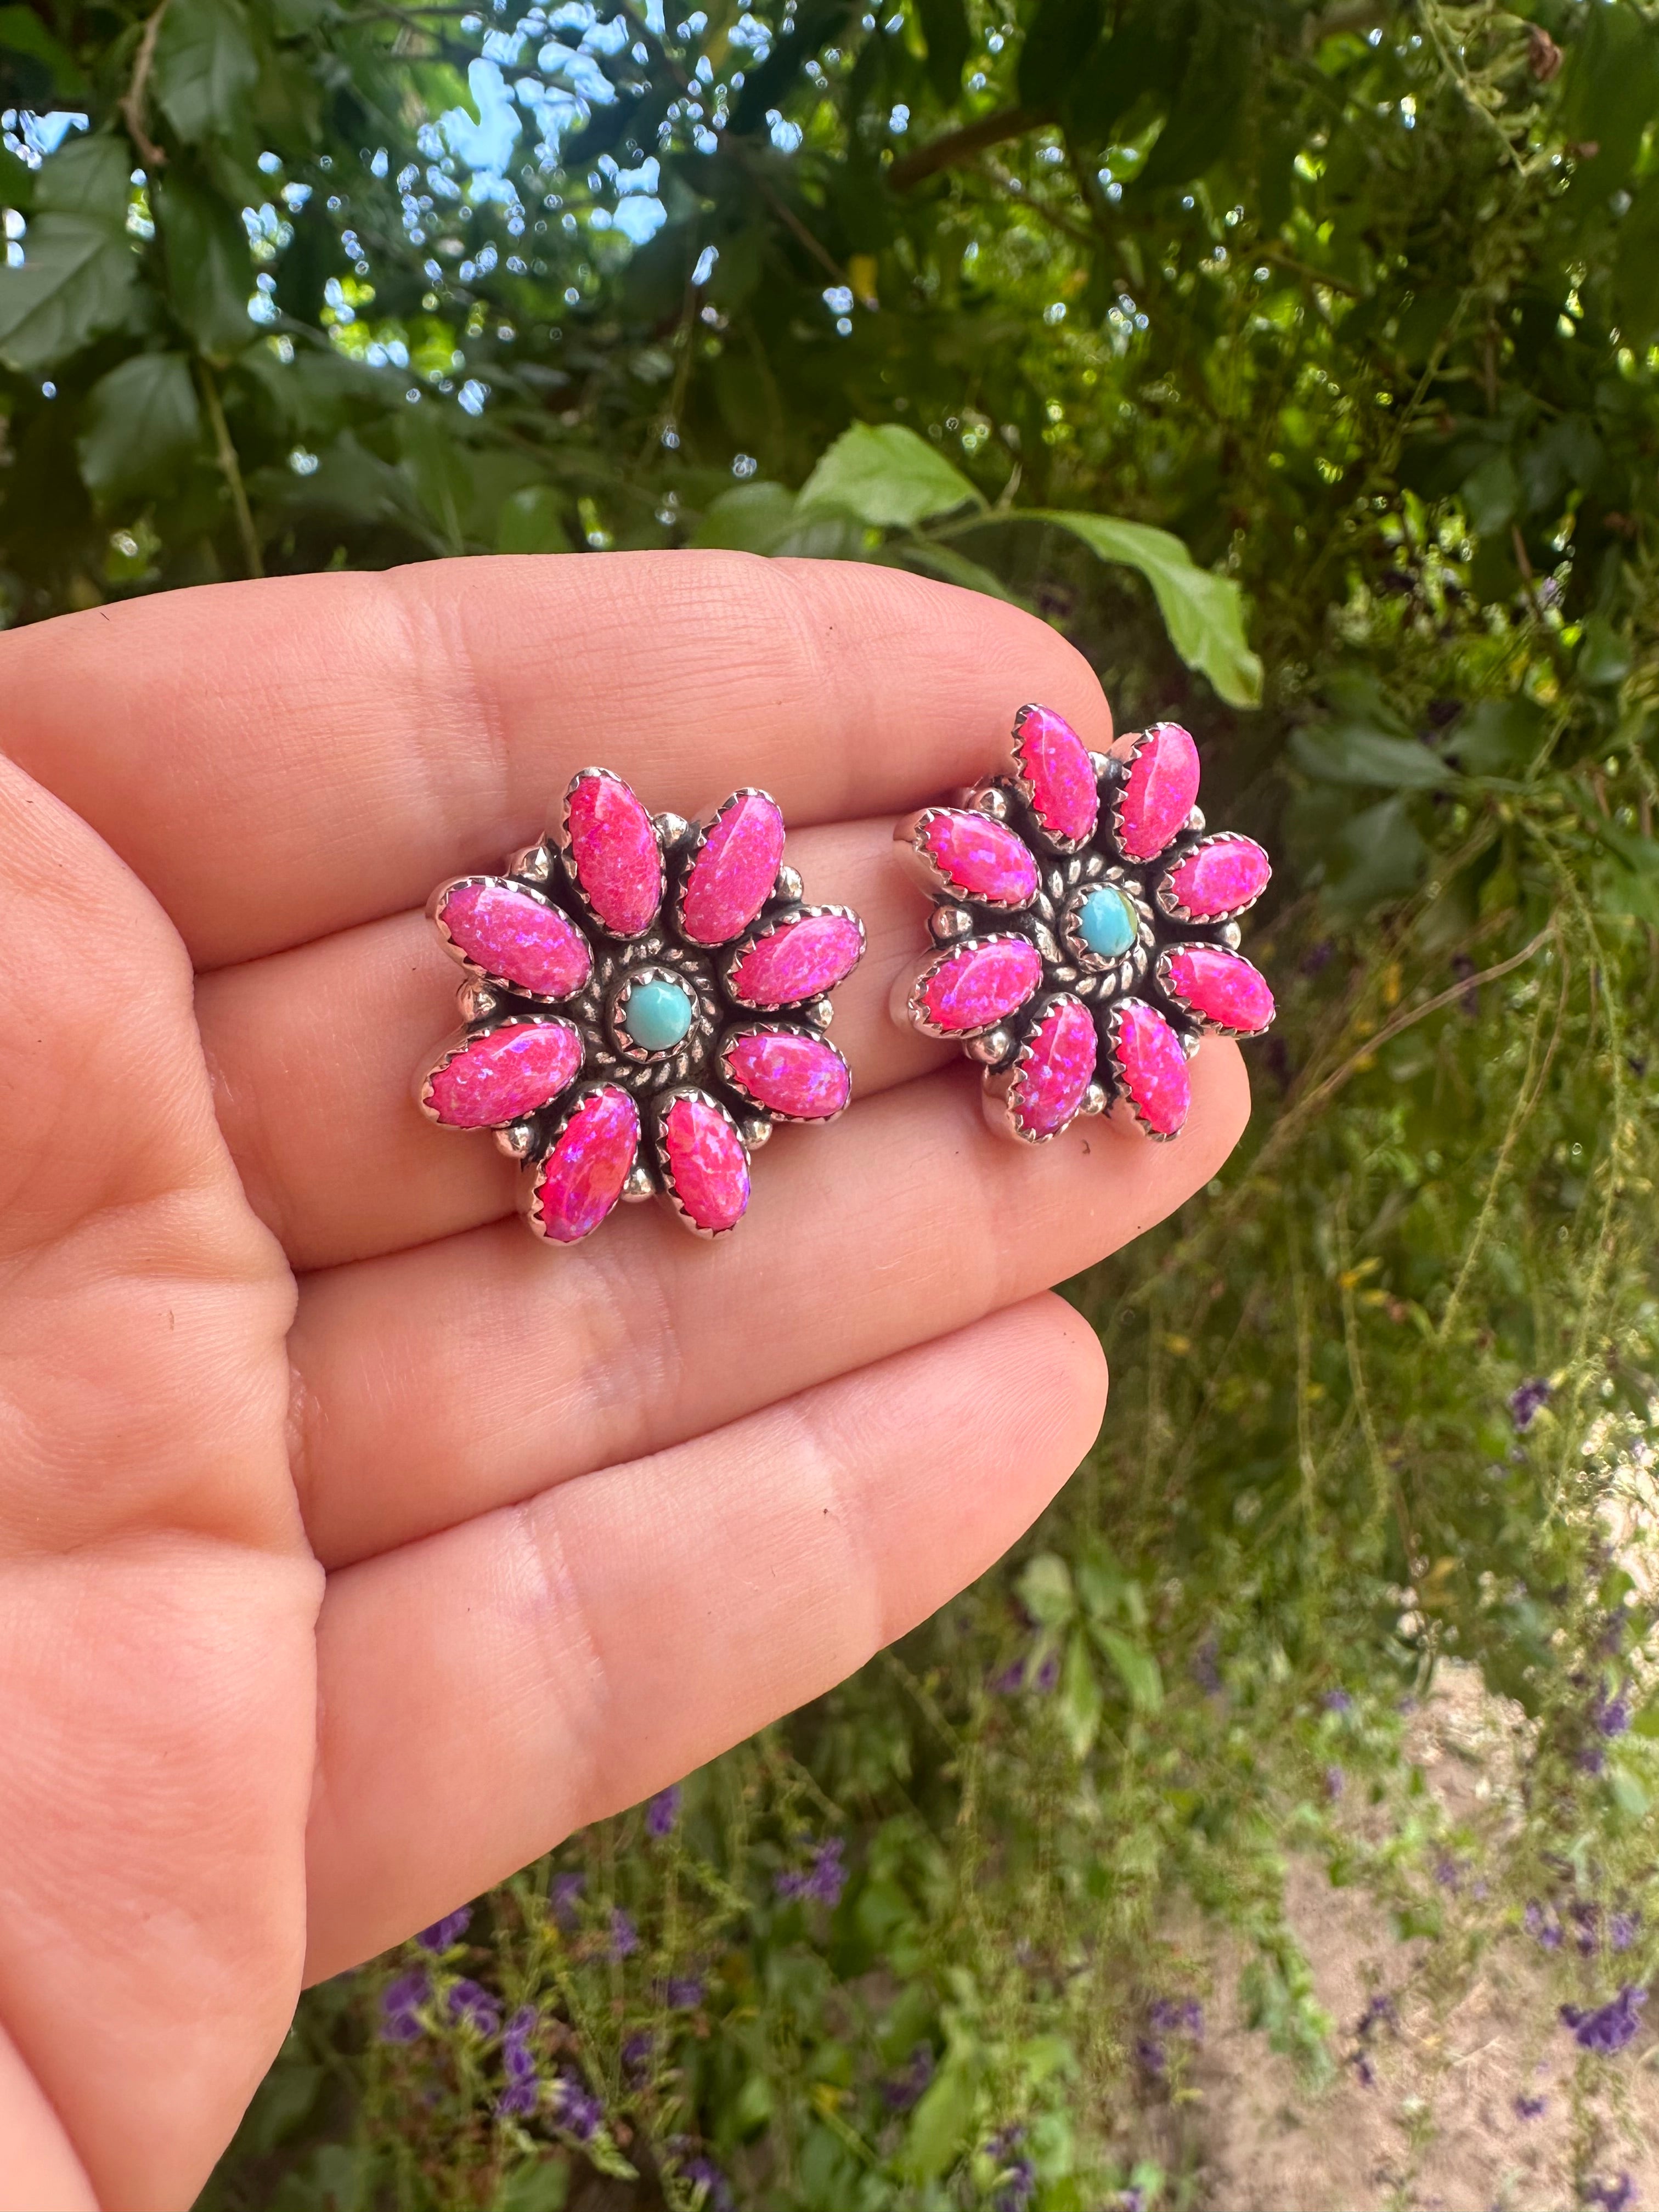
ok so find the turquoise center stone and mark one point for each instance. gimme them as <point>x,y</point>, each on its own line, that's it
<point>1106,923</point>
<point>658,1014</point>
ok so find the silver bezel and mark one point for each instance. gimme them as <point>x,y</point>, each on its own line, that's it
<point>694,852</point>
<point>1052,838</point>
<point>530,1174</point>
<point>507,880</point>
<point>767,927</point>
<point>1184,1006</point>
<point>907,1002</point>
<point>999,1094</point>
<point>665,1174</point>
<point>558,838</point>
<point>1169,903</point>
<point>1107,1031</point>
<point>932,878</point>
<point>734,1083</point>
<point>460,1040</point>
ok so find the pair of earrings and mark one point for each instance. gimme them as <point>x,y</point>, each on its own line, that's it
<point>646,997</point>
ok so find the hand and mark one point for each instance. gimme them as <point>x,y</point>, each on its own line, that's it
<point>356,1547</point>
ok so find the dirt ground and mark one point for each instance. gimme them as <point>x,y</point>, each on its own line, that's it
<point>1439,2131</point>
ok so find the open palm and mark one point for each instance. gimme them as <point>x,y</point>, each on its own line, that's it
<point>355,1547</point>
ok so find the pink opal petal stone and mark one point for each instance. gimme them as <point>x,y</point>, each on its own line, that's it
<point>978,858</point>
<point>1219,985</point>
<point>1220,877</point>
<point>1055,1069</point>
<point>790,1072</point>
<point>582,1178</point>
<point>614,849</point>
<point>706,1161</point>
<point>1159,792</point>
<point>1152,1067</point>
<point>505,932</point>
<point>980,980</point>
<point>516,1070</point>
<point>1058,776</point>
<point>798,960</point>
<point>734,871</point>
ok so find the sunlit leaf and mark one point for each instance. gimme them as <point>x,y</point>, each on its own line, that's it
<point>1203,612</point>
<point>886,475</point>
<point>205,67</point>
<point>76,281</point>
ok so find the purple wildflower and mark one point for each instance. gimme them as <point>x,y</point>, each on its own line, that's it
<point>450,1929</point>
<point>475,2006</point>
<point>1132,2200</point>
<point>1447,1872</point>
<point>1150,2054</point>
<point>576,2109</point>
<point>636,2051</point>
<point>517,2101</point>
<point>1337,1701</point>
<point>1047,1675</point>
<point>1528,2107</point>
<point>662,1813</point>
<point>1335,1783</point>
<point>624,1935</point>
<point>1622,1929</point>
<point>1177,2017</point>
<point>1018,2188</point>
<point>566,1896</point>
<point>1364,2072</point>
<point>522,2093</point>
<point>821,1881</point>
<point>1612,1715</point>
<point>1206,1673</point>
<point>685,1994</point>
<point>1611,2195</point>
<point>704,2173</point>
<point>1318,957</point>
<point>1528,1401</point>
<point>905,2089</point>
<point>400,2003</point>
<point>1611,2025</point>
<point>1010,1678</point>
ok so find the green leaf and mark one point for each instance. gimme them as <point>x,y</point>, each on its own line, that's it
<point>22,31</point>
<point>1062,35</point>
<point>1347,752</point>
<point>942,2125</point>
<point>1379,856</point>
<point>1610,90</point>
<point>751,518</point>
<point>205,68</point>
<point>1492,494</point>
<point>1203,612</point>
<point>1496,737</point>
<point>952,568</point>
<point>1604,657</point>
<point>76,281</point>
<point>1081,1701</point>
<point>209,267</point>
<point>1204,114</point>
<point>532,521</point>
<point>944,29</point>
<point>540,2185</point>
<point>87,176</point>
<point>768,86</point>
<point>1137,1669</point>
<point>1045,1589</point>
<point>887,475</point>
<point>1147,53</point>
<point>143,422</point>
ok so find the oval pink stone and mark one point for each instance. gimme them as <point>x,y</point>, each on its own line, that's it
<point>798,960</point>
<point>1219,985</point>
<point>979,858</point>
<point>1157,794</point>
<point>800,1076</point>
<point>613,850</point>
<point>1152,1067</point>
<point>1055,1069</point>
<point>977,984</point>
<point>582,1178</point>
<point>707,1162</point>
<point>505,933</point>
<point>516,1070</point>
<point>1057,775</point>
<point>1220,877</point>
<point>735,870</point>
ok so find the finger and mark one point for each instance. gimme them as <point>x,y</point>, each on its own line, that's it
<point>40,2171</point>
<point>279,760</point>
<point>543,1666</point>
<point>313,1051</point>
<point>444,1382</point>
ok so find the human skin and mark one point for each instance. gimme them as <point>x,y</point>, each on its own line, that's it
<point>354,1547</point>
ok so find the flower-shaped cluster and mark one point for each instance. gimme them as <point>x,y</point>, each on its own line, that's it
<point>1085,928</point>
<point>646,998</point>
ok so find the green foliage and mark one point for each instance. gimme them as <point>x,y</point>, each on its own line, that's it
<point>1297,362</point>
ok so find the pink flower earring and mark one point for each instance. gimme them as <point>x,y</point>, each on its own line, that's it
<point>1085,928</point>
<point>646,998</point>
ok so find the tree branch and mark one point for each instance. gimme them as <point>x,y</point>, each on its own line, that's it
<point>132,100</point>
<point>958,146</point>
